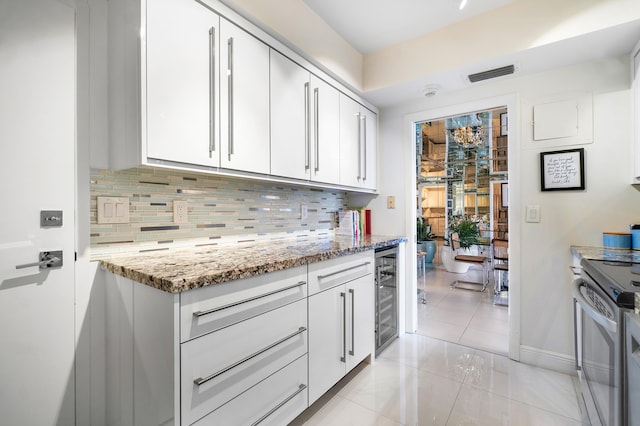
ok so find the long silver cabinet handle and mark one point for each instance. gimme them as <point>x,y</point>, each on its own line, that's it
<point>251,299</point>
<point>353,320</point>
<point>212,91</point>
<point>277,407</point>
<point>322,277</point>
<point>230,84</point>
<point>343,358</point>
<point>364,157</point>
<point>359,147</point>
<point>307,127</point>
<point>199,381</point>
<point>316,122</point>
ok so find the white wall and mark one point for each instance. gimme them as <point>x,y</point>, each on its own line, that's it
<point>609,202</point>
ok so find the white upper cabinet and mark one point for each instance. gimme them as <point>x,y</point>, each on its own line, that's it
<point>305,123</point>
<point>358,135</point>
<point>290,118</point>
<point>244,105</point>
<point>194,86</point>
<point>182,83</point>
<point>325,132</point>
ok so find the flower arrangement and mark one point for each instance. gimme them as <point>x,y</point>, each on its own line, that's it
<point>468,229</point>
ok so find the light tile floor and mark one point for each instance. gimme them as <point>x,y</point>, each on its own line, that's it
<point>461,316</point>
<point>436,378</point>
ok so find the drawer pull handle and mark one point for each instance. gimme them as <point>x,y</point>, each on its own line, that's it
<point>277,407</point>
<point>231,305</point>
<point>322,277</point>
<point>201,380</point>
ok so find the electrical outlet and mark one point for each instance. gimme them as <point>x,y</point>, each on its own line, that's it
<point>391,202</point>
<point>304,212</point>
<point>180,212</point>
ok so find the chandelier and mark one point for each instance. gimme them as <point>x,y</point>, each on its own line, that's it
<point>468,136</point>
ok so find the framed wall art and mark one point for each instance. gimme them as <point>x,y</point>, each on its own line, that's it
<point>562,170</point>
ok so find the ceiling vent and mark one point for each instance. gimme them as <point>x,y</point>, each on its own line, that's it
<point>494,73</point>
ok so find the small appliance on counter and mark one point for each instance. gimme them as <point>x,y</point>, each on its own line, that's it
<point>603,293</point>
<point>635,236</point>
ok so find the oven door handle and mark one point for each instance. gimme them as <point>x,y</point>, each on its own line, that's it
<point>608,324</point>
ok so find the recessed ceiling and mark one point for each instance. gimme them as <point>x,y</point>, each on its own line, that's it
<point>370,25</point>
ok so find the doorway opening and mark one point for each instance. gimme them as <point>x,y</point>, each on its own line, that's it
<point>462,176</point>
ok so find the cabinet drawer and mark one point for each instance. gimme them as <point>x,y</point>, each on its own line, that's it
<point>219,366</point>
<point>277,400</point>
<point>330,273</point>
<point>215,307</point>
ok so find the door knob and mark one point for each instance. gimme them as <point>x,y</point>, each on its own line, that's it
<point>48,259</point>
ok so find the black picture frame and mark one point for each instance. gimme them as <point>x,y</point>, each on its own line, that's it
<point>562,170</point>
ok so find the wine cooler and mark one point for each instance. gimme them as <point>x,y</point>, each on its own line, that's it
<point>386,282</point>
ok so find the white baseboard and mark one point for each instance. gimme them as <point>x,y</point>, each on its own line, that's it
<point>555,361</point>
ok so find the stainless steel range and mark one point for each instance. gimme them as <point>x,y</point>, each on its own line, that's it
<point>603,293</point>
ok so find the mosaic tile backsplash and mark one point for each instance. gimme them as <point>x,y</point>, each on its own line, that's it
<point>219,208</point>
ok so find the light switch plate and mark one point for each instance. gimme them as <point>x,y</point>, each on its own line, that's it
<point>533,213</point>
<point>391,202</point>
<point>113,209</point>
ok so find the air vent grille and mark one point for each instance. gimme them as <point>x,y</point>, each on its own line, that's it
<point>497,72</point>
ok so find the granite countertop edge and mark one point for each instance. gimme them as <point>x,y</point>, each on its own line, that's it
<point>187,269</point>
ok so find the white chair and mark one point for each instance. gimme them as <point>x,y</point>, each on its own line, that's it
<point>454,244</point>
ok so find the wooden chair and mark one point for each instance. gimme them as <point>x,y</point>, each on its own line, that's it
<point>500,269</point>
<point>454,244</point>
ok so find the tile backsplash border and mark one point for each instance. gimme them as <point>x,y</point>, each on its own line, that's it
<point>221,209</point>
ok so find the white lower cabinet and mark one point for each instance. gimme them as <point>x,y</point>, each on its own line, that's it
<point>219,366</point>
<point>341,320</point>
<point>276,400</point>
<point>255,350</point>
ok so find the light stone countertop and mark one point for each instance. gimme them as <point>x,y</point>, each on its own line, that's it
<point>185,269</point>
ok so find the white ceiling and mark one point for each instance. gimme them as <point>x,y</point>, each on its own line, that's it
<point>370,25</point>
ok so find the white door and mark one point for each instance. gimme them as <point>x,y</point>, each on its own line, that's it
<point>325,126</point>
<point>290,118</point>
<point>182,82</point>
<point>361,321</point>
<point>244,100</point>
<point>350,140</point>
<point>37,110</point>
<point>327,338</point>
<point>369,132</point>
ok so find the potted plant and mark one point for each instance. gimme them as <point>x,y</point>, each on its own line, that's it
<point>467,229</point>
<point>426,242</point>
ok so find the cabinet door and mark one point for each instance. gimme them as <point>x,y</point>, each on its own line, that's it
<point>350,160</point>
<point>181,83</point>
<point>244,100</point>
<point>360,320</point>
<point>325,125</point>
<point>290,118</point>
<point>369,135</point>
<point>358,139</point>
<point>327,338</point>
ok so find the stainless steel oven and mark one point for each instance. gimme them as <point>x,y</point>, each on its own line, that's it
<point>600,302</point>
